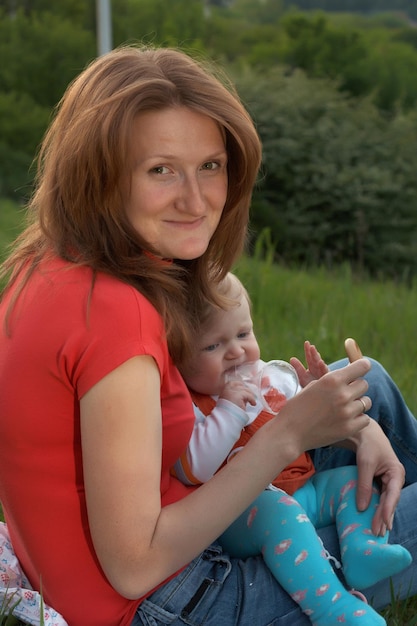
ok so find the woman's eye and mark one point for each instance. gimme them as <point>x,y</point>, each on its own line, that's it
<point>210,165</point>
<point>160,169</point>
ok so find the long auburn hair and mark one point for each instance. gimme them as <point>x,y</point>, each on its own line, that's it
<point>76,210</point>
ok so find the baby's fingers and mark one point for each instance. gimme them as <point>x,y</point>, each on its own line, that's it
<point>315,363</point>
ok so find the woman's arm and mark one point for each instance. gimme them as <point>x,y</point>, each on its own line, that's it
<point>138,542</point>
<point>375,457</point>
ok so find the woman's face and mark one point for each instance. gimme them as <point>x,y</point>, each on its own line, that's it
<point>179,181</point>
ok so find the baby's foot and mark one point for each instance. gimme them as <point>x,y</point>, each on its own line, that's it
<point>346,609</point>
<point>373,562</point>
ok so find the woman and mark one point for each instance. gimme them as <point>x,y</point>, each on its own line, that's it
<point>141,205</point>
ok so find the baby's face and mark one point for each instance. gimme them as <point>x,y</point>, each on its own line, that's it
<point>227,342</point>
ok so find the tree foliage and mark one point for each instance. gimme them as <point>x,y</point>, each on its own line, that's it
<point>41,53</point>
<point>338,181</point>
<point>375,62</point>
<point>361,6</point>
<point>149,21</point>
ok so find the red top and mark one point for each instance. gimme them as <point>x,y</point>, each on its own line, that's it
<point>62,343</point>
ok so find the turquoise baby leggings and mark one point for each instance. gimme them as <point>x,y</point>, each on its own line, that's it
<point>283,529</point>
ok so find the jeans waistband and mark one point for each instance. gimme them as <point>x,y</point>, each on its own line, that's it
<point>180,596</point>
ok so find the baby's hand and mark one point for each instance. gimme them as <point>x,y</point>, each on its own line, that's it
<point>316,367</point>
<point>239,393</point>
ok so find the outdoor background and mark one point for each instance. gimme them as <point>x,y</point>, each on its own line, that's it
<point>333,94</point>
<point>332,87</point>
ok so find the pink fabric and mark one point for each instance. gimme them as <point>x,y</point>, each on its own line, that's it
<point>16,595</point>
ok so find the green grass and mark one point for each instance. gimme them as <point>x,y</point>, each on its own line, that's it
<point>11,218</point>
<point>290,306</point>
<point>7,619</point>
<point>325,307</point>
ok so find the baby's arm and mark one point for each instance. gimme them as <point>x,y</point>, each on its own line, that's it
<point>214,435</point>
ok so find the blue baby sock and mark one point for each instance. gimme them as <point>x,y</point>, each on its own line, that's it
<point>366,558</point>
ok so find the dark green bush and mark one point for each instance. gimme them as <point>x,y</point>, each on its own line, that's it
<point>339,179</point>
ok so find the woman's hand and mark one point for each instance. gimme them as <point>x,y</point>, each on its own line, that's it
<point>329,408</point>
<point>376,459</point>
<point>374,455</point>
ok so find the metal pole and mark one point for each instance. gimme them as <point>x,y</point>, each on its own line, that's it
<point>104,27</point>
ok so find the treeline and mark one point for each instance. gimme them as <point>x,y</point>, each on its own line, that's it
<point>334,97</point>
<point>360,6</point>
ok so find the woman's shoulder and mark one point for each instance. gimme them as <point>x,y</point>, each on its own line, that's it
<point>108,288</point>
<point>102,292</point>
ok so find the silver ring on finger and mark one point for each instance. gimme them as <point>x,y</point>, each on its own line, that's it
<point>362,401</point>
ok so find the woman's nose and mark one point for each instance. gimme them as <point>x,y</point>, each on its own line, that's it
<point>191,198</point>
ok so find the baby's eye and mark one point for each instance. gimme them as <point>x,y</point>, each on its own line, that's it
<point>210,348</point>
<point>243,335</point>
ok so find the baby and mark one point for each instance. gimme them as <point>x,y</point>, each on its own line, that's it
<point>281,524</point>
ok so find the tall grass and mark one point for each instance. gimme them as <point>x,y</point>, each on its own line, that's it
<point>290,306</point>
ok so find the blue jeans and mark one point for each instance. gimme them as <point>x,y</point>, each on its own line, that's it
<point>394,417</point>
<point>216,589</point>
